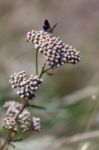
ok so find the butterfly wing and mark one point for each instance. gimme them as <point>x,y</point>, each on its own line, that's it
<point>46,25</point>
<point>45,28</point>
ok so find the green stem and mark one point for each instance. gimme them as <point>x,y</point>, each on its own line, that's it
<point>44,70</point>
<point>47,69</point>
<point>36,61</point>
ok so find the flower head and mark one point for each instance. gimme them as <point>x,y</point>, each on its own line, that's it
<point>24,122</point>
<point>17,78</point>
<point>26,86</point>
<point>36,123</point>
<point>56,52</point>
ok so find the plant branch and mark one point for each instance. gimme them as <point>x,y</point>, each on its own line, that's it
<point>7,140</point>
<point>21,110</point>
<point>36,61</point>
<point>9,137</point>
<point>44,70</point>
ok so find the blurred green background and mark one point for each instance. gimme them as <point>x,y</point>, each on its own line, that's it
<point>71,94</point>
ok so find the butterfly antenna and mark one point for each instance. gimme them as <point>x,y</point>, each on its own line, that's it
<point>54,26</point>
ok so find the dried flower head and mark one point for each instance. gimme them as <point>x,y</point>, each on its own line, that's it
<point>24,121</point>
<point>56,52</point>
<point>26,86</point>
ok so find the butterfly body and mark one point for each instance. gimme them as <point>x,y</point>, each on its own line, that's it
<point>47,27</point>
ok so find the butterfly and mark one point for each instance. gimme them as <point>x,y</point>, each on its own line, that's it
<point>47,27</point>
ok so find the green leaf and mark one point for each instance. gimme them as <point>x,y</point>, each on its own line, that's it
<point>37,107</point>
<point>17,140</point>
<point>50,74</point>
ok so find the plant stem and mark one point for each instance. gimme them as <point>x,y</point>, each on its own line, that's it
<point>44,70</point>
<point>36,61</point>
<point>9,137</point>
<point>6,141</point>
<point>47,69</point>
<point>21,110</point>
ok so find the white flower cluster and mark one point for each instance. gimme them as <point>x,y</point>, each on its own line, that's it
<point>27,86</point>
<point>56,52</point>
<point>24,122</point>
<point>36,123</point>
<point>17,78</point>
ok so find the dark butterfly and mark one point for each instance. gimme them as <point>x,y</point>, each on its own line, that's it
<point>47,27</point>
